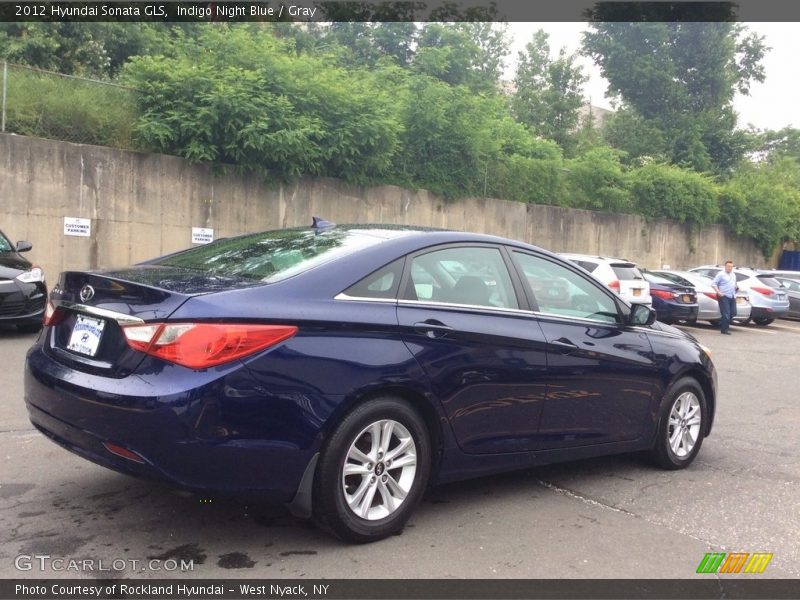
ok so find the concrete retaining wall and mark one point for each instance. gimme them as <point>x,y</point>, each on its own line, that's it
<point>144,205</point>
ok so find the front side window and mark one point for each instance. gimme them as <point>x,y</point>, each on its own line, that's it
<point>465,275</point>
<point>559,291</point>
<point>5,245</point>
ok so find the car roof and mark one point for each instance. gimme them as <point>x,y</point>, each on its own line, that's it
<point>593,257</point>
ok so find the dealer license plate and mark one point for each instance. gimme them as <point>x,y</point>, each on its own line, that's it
<point>739,300</point>
<point>637,292</point>
<point>86,334</point>
<point>687,299</point>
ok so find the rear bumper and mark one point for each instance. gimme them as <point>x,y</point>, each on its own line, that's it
<point>667,311</point>
<point>184,438</point>
<point>759,312</point>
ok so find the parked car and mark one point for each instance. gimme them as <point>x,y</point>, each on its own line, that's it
<point>343,369</point>
<point>23,291</point>
<point>672,301</point>
<point>619,274</point>
<point>781,273</point>
<point>792,288</point>
<point>707,301</point>
<point>767,301</point>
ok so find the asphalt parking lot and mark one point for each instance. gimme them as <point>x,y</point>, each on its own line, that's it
<point>606,518</point>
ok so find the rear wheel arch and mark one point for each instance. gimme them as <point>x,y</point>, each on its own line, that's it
<point>417,401</point>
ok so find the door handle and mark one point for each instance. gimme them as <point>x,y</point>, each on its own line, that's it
<point>432,328</point>
<point>563,345</point>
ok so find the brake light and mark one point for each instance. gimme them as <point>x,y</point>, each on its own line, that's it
<point>204,345</point>
<point>763,290</point>
<point>712,295</point>
<point>52,315</point>
<point>662,294</point>
<point>614,285</point>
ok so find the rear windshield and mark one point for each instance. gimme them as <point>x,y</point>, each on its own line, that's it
<point>626,272</point>
<point>274,255</point>
<point>769,280</point>
<point>658,279</point>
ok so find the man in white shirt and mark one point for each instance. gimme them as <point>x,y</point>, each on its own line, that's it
<point>725,285</point>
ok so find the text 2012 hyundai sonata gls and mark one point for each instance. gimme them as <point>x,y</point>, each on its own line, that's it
<point>343,369</point>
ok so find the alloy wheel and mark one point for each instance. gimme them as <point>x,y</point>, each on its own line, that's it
<point>379,469</point>
<point>685,420</point>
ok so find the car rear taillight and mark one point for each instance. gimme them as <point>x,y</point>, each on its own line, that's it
<point>614,285</point>
<point>712,295</point>
<point>763,290</point>
<point>664,295</point>
<point>204,345</point>
<point>52,315</point>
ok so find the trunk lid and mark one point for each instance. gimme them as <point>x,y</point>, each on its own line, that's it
<point>93,307</point>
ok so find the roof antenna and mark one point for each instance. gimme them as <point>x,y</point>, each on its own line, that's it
<point>320,224</point>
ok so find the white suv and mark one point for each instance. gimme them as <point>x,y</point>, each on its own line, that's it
<point>619,274</point>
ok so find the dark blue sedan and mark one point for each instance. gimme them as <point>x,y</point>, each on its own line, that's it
<point>344,369</point>
<point>672,301</point>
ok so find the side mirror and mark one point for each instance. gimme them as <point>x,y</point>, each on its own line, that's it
<point>24,246</point>
<point>642,315</point>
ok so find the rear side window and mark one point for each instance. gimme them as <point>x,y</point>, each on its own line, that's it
<point>383,283</point>
<point>272,255</point>
<point>589,266</point>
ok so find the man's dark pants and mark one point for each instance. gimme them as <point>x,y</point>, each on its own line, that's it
<point>727,307</point>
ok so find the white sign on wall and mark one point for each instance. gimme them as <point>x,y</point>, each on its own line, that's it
<point>201,235</point>
<point>76,226</point>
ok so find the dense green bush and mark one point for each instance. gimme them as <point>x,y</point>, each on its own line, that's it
<point>661,191</point>
<point>597,181</point>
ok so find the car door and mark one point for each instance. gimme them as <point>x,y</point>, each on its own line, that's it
<point>601,373</point>
<point>464,318</point>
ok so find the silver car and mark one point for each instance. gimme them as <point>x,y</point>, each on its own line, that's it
<point>707,302</point>
<point>792,287</point>
<point>767,298</point>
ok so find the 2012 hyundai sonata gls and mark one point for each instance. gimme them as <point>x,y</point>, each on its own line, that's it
<point>343,369</point>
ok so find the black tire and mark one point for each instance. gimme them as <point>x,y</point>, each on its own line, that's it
<point>715,322</point>
<point>677,456</point>
<point>763,321</point>
<point>354,434</point>
<point>29,327</point>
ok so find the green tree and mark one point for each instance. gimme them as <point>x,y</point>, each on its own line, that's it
<point>762,201</point>
<point>468,54</point>
<point>548,92</point>
<point>680,78</point>
<point>87,49</point>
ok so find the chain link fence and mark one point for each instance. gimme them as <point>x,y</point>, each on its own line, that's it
<point>64,107</point>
